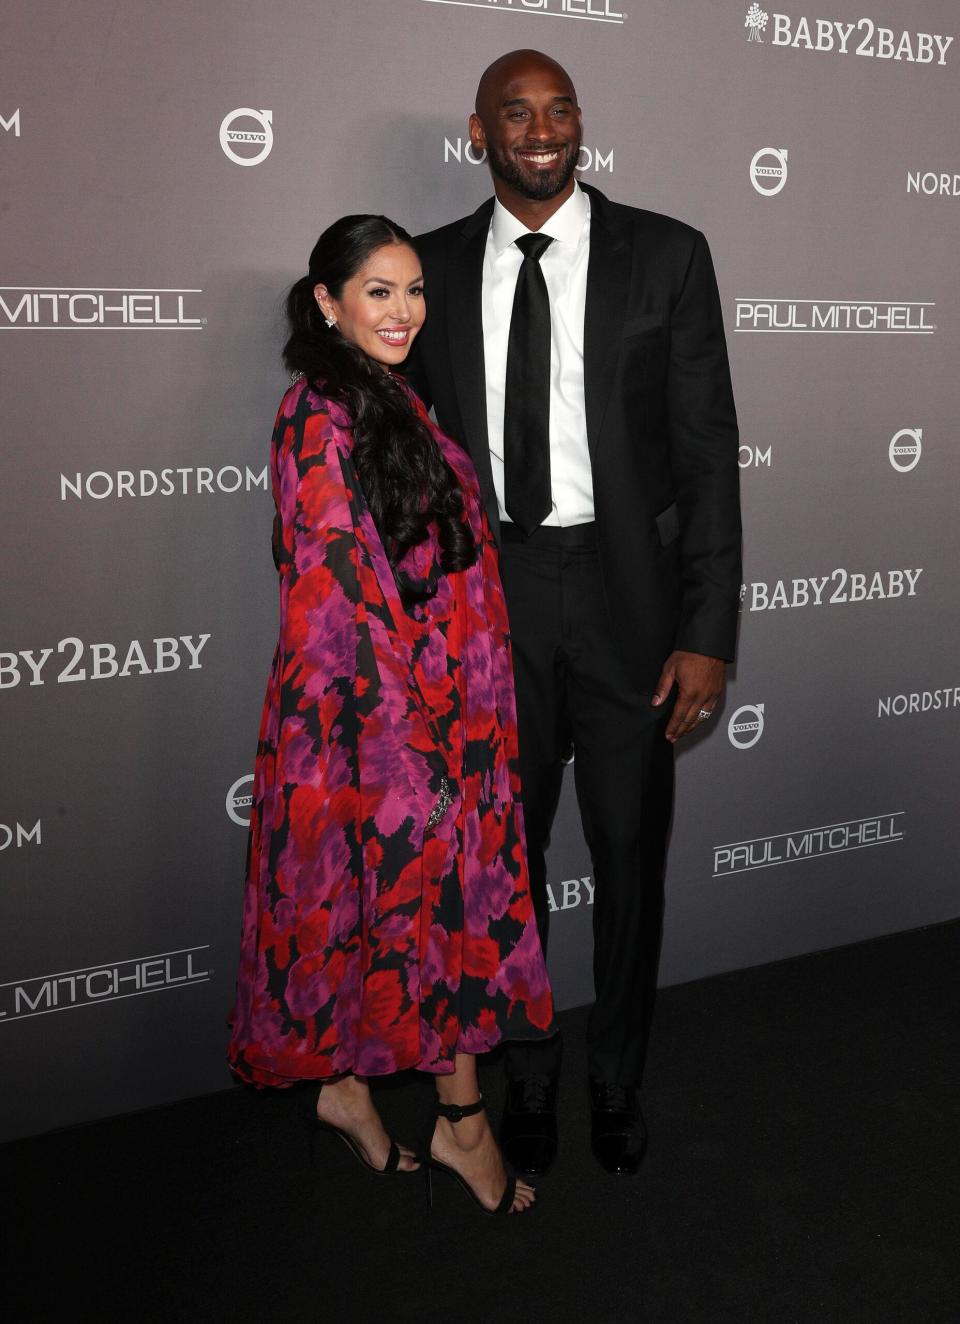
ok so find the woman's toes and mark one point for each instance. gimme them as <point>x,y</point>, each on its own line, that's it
<point>408,1159</point>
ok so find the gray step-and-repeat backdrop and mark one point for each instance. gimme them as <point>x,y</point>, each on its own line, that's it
<point>166,169</point>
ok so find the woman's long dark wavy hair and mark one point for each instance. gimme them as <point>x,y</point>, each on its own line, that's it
<point>406,481</point>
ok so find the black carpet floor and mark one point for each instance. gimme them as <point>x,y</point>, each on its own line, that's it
<point>803,1167</point>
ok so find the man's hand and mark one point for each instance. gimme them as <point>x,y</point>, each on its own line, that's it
<point>700,681</point>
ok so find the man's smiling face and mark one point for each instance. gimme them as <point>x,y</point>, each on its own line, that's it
<point>529,122</point>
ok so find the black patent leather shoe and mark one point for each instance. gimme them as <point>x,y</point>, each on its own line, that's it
<point>618,1133</point>
<point>528,1131</point>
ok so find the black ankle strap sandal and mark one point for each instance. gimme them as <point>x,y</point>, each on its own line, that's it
<point>455,1112</point>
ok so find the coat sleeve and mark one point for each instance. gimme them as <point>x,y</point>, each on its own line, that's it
<point>316,665</point>
<point>704,444</point>
<point>301,900</point>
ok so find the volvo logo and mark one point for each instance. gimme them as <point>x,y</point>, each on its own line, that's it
<point>905,449</point>
<point>239,800</point>
<point>768,171</point>
<point>746,726</point>
<point>259,135</point>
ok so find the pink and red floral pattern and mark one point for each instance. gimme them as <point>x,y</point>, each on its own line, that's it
<point>371,940</point>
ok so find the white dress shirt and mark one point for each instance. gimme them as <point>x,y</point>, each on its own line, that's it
<point>564,267</point>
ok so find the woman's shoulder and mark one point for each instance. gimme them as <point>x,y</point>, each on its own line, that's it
<point>309,425</point>
<point>455,454</point>
<point>417,404</point>
<point>303,401</point>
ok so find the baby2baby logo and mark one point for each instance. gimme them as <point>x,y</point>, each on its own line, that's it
<point>860,37</point>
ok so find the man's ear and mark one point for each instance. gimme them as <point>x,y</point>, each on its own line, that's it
<point>478,137</point>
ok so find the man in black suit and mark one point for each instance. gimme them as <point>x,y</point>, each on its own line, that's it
<point>575,346</point>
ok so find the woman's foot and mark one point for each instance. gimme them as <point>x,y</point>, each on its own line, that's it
<point>347,1105</point>
<point>469,1147</point>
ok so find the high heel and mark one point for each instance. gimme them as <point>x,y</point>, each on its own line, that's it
<point>455,1113</point>
<point>389,1169</point>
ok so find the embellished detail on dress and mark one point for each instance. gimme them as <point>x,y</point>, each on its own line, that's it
<point>444,801</point>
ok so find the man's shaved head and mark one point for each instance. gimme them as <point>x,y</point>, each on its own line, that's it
<point>507,69</point>
<point>528,122</point>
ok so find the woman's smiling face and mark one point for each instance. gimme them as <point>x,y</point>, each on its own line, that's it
<point>381,308</point>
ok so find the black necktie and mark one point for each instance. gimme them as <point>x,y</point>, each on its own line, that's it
<point>526,418</point>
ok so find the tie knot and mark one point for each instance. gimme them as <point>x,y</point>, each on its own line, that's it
<point>534,245</point>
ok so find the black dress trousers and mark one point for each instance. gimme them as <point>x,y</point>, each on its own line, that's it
<point>573,687</point>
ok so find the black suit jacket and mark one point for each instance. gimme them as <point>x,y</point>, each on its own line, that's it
<point>660,419</point>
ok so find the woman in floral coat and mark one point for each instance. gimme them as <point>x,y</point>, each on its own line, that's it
<point>387,918</point>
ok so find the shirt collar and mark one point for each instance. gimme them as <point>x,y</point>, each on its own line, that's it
<point>565,225</point>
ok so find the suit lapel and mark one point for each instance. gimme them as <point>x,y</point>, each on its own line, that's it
<point>465,332</point>
<point>608,283</point>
